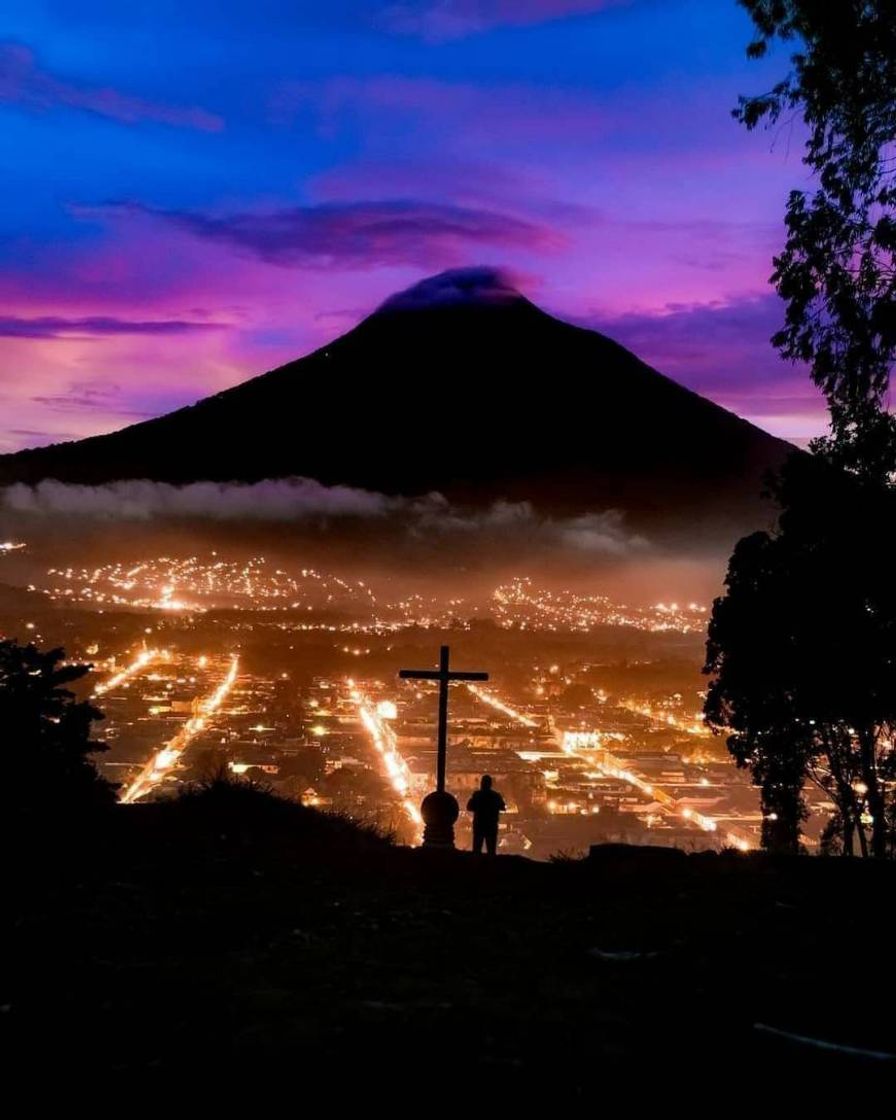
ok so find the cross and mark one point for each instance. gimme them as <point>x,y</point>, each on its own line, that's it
<point>444,676</point>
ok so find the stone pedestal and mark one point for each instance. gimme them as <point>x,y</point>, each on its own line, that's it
<point>439,811</point>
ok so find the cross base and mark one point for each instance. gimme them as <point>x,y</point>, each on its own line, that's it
<point>439,811</point>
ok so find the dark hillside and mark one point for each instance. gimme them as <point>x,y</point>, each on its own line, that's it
<point>192,942</point>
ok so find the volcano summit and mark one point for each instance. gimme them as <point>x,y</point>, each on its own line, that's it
<point>460,386</point>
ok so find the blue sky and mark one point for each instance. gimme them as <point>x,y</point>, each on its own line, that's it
<point>194,192</point>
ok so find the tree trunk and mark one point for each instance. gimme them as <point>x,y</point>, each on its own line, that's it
<point>863,840</point>
<point>849,832</point>
<point>845,799</point>
<point>874,796</point>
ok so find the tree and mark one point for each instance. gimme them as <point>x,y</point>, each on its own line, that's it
<point>802,645</point>
<point>837,272</point>
<point>45,734</point>
<point>802,649</point>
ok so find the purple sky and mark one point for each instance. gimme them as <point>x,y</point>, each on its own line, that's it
<point>195,191</point>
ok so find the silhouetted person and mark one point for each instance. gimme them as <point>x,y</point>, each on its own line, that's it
<point>486,804</point>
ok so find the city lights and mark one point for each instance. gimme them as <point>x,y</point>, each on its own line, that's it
<point>383,738</point>
<point>520,603</point>
<point>166,758</point>
<point>142,661</point>
<point>494,702</point>
<point>612,735</point>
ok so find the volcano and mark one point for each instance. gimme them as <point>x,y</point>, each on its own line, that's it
<point>460,386</point>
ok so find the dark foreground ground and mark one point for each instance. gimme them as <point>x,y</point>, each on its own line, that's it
<point>201,944</point>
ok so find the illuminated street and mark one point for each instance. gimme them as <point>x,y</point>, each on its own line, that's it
<point>170,754</point>
<point>376,722</point>
<point>142,661</point>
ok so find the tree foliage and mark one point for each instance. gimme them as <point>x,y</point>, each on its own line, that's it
<point>837,272</point>
<point>802,649</point>
<point>46,735</point>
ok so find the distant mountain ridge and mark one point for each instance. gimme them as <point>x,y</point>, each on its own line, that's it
<point>459,385</point>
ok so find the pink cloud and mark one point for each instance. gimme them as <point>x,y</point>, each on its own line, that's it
<point>56,326</point>
<point>452,19</point>
<point>361,234</point>
<point>93,396</point>
<point>24,82</point>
